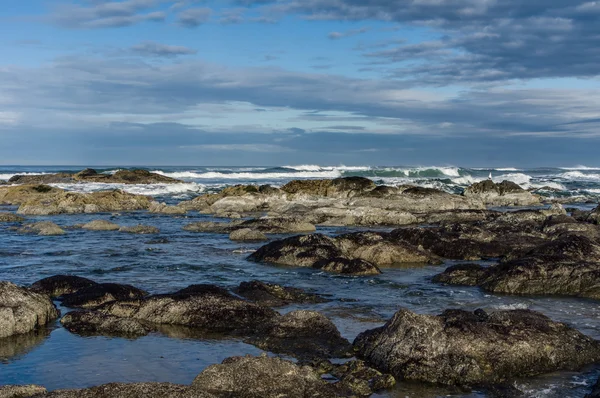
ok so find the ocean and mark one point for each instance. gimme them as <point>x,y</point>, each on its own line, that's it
<point>59,359</point>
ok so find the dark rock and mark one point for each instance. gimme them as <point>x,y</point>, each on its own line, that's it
<point>463,348</point>
<point>96,295</point>
<point>58,285</point>
<point>273,295</point>
<point>361,379</point>
<point>41,179</point>
<point>462,274</point>
<point>345,266</point>
<point>506,193</point>
<point>262,377</point>
<point>10,217</point>
<point>95,323</point>
<point>299,251</point>
<point>158,241</point>
<point>140,230</point>
<point>134,390</point>
<point>22,310</point>
<point>205,307</point>
<point>303,334</point>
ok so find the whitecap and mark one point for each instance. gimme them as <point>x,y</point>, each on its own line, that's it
<point>213,175</point>
<point>140,189</point>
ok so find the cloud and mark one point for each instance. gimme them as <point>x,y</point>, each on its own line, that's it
<point>106,14</point>
<point>348,33</point>
<point>239,147</point>
<point>478,40</point>
<point>194,17</point>
<point>153,49</point>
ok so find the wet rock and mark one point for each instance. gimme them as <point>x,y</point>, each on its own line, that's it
<point>140,230</point>
<point>22,310</point>
<point>101,225</point>
<point>59,285</point>
<point>200,306</point>
<point>262,377</point>
<point>58,178</point>
<point>464,348</point>
<point>345,266</point>
<point>361,379</point>
<point>10,217</point>
<point>95,323</point>
<point>339,187</point>
<point>506,193</point>
<point>163,208</point>
<point>303,334</point>
<point>594,216</point>
<point>381,249</point>
<point>42,228</point>
<point>134,390</point>
<point>158,241</point>
<point>247,234</point>
<point>15,195</point>
<point>100,293</point>
<point>278,225</point>
<point>71,202</point>
<point>21,391</point>
<point>273,295</point>
<point>568,266</point>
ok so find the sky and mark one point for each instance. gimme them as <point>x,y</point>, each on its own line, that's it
<point>271,82</point>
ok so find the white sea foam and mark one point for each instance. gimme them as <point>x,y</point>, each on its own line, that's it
<point>314,167</point>
<point>140,189</point>
<point>507,169</point>
<point>578,176</point>
<point>213,175</point>
<point>515,306</point>
<point>579,168</point>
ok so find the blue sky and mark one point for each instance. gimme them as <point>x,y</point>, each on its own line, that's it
<point>244,82</point>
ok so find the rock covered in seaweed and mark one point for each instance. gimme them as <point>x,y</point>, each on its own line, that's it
<point>98,294</point>
<point>22,310</point>
<point>94,323</point>
<point>59,285</point>
<point>465,348</point>
<point>506,193</point>
<point>274,295</point>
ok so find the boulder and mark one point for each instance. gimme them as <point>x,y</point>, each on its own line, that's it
<point>211,226</point>
<point>95,323</point>
<point>100,293</point>
<point>345,266</point>
<point>58,178</point>
<point>59,285</point>
<point>361,379</point>
<point>594,216</point>
<point>262,377</point>
<point>506,193</point>
<point>340,187</point>
<point>22,310</point>
<point>101,225</point>
<point>71,202</point>
<point>10,217</point>
<point>247,234</point>
<point>302,334</point>
<point>163,208</point>
<point>278,225</point>
<point>273,295</point>
<point>568,265</point>
<point>21,391</point>
<point>464,348</point>
<point>205,307</point>
<point>123,177</point>
<point>17,194</point>
<point>134,390</point>
<point>140,230</point>
<point>42,228</point>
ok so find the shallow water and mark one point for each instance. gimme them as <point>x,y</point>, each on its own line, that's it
<point>60,359</point>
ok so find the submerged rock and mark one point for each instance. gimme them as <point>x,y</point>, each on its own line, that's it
<point>464,348</point>
<point>10,217</point>
<point>273,295</point>
<point>100,293</point>
<point>262,377</point>
<point>140,230</point>
<point>247,234</point>
<point>95,323</point>
<point>303,334</point>
<point>22,310</point>
<point>42,228</point>
<point>506,193</point>
<point>59,285</point>
<point>101,225</point>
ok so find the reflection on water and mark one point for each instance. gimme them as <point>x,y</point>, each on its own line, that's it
<point>65,360</point>
<point>21,344</point>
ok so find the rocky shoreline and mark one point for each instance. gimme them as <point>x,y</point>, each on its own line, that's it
<point>539,251</point>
